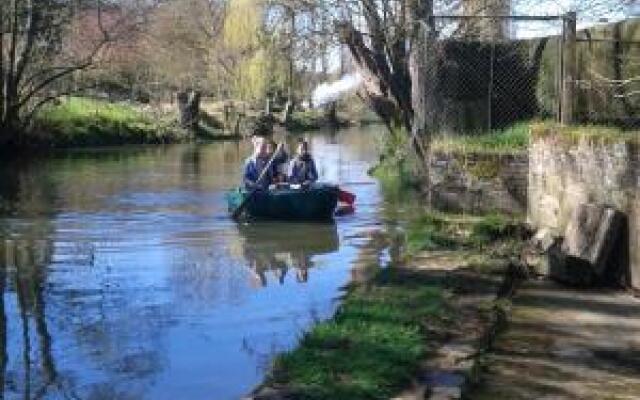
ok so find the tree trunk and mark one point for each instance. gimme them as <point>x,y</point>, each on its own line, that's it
<point>189,109</point>
<point>331,115</point>
<point>10,127</point>
<point>286,113</point>
<point>388,101</point>
<point>423,65</point>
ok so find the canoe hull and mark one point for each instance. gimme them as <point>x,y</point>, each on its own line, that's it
<point>315,203</point>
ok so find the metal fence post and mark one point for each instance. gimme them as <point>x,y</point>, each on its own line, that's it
<point>569,69</point>
<point>492,56</point>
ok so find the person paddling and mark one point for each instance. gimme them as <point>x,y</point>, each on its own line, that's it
<point>279,165</point>
<point>302,170</point>
<point>255,164</point>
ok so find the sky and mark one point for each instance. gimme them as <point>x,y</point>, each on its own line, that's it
<point>589,12</point>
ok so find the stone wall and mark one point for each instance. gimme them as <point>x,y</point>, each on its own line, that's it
<point>563,175</point>
<point>479,183</point>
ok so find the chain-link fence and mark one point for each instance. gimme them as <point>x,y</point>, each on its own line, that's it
<point>494,71</point>
<point>608,75</point>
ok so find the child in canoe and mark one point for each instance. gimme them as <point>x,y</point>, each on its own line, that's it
<point>302,169</point>
<point>255,164</point>
<point>279,164</point>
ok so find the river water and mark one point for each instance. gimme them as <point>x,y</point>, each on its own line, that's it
<point>123,277</point>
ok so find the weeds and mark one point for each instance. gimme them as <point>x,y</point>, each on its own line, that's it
<point>513,139</point>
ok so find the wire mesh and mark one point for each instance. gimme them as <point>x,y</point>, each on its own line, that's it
<point>494,71</point>
<point>492,74</point>
<point>608,80</point>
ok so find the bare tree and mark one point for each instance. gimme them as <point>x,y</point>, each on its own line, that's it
<point>38,51</point>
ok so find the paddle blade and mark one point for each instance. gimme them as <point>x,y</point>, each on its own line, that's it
<point>346,197</point>
<point>344,209</point>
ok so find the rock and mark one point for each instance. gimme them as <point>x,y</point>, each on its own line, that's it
<point>271,393</point>
<point>542,253</point>
<point>544,239</point>
<point>591,235</point>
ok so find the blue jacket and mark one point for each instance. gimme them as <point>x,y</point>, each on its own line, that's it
<point>302,170</point>
<point>252,169</point>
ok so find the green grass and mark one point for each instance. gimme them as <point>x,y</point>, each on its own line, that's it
<point>592,133</point>
<point>438,231</point>
<point>306,120</point>
<point>373,345</point>
<point>513,139</point>
<point>398,167</point>
<point>396,178</point>
<point>80,121</point>
<point>384,329</point>
<point>310,120</point>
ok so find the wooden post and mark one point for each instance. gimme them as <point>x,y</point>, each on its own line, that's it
<point>569,69</point>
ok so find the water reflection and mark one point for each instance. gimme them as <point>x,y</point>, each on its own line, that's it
<point>121,276</point>
<point>278,248</point>
<point>22,270</point>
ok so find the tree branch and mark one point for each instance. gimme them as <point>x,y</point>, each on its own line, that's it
<point>26,52</point>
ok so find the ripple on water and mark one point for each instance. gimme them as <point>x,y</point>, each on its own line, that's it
<point>133,282</point>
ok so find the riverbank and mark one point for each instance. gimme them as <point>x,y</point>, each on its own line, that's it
<point>387,327</point>
<point>313,120</point>
<point>507,141</point>
<point>86,122</point>
<point>81,122</point>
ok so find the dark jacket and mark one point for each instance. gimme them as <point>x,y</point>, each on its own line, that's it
<point>252,169</point>
<point>303,169</point>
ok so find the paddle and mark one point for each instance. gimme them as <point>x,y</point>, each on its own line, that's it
<point>346,197</point>
<point>238,211</point>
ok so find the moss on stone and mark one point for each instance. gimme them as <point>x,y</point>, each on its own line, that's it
<point>572,135</point>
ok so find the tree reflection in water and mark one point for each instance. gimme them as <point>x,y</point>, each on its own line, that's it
<point>135,293</point>
<point>28,250</point>
<point>23,265</point>
<point>3,322</point>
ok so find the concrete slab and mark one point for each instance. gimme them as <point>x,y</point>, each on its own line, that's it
<point>566,344</point>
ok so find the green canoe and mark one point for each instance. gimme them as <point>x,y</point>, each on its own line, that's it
<point>318,202</point>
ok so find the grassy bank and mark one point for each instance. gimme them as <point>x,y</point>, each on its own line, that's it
<point>510,140</point>
<point>87,122</point>
<point>384,329</point>
<point>515,139</point>
<point>372,346</point>
<point>575,134</point>
<point>310,120</point>
<point>440,231</point>
<point>399,168</point>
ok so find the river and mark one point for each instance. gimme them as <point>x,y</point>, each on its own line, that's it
<point>124,278</point>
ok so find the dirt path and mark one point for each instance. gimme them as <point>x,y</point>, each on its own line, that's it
<point>566,344</point>
<point>452,360</point>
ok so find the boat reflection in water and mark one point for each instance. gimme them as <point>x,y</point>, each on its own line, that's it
<point>277,247</point>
